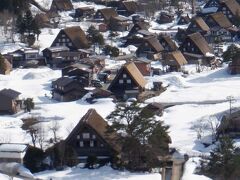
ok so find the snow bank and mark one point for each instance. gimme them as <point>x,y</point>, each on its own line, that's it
<point>104,173</point>
<point>189,169</point>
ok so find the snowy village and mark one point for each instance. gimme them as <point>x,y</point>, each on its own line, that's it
<point>120,89</point>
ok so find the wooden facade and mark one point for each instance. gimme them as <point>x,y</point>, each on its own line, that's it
<point>10,103</point>
<point>89,138</point>
<point>72,37</point>
<point>128,82</point>
<point>230,9</point>
<point>67,89</point>
<point>61,5</point>
<point>150,48</point>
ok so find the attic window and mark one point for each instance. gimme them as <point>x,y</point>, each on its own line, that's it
<point>120,81</point>
<point>85,135</point>
<point>94,136</point>
<point>63,35</point>
<point>129,81</point>
<point>124,76</point>
<point>70,44</point>
<point>91,143</point>
<point>81,144</point>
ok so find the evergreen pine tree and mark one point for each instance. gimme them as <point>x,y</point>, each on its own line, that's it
<point>143,138</point>
<point>224,161</point>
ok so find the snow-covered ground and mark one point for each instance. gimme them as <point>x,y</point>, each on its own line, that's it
<point>104,173</point>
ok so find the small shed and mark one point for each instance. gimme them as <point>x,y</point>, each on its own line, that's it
<point>11,152</point>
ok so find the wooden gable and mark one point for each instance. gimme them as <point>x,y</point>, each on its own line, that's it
<point>128,78</point>
<point>72,37</point>
<point>212,3</point>
<point>190,47</point>
<point>89,137</point>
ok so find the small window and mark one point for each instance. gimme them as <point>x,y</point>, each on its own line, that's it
<point>129,81</point>
<point>94,136</point>
<point>63,40</point>
<point>81,144</point>
<point>124,76</point>
<point>120,81</point>
<point>78,137</point>
<point>70,44</point>
<point>91,143</point>
<point>63,35</point>
<point>85,135</point>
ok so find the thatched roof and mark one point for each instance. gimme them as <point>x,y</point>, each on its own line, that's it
<point>96,122</point>
<point>169,41</point>
<point>232,5</point>
<point>130,6</point>
<point>77,36</point>
<point>62,81</point>
<point>62,5</point>
<point>133,72</point>
<point>5,66</point>
<point>154,43</point>
<point>10,93</point>
<point>107,13</point>
<point>221,20</point>
<point>200,23</point>
<point>200,42</point>
<point>230,122</point>
<point>174,58</point>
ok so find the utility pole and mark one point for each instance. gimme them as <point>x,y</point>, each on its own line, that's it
<point>231,100</point>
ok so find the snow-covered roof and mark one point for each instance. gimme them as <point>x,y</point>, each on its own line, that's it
<point>13,147</point>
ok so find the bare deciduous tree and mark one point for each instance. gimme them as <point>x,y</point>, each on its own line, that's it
<point>54,129</point>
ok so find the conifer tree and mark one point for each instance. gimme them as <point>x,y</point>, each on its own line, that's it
<point>224,161</point>
<point>143,138</point>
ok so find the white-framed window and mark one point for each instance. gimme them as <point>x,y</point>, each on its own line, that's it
<point>85,135</point>
<point>91,143</point>
<point>124,76</point>
<point>129,81</point>
<point>120,81</point>
<point>81,144</point>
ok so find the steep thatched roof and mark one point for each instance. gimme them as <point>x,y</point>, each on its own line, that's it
<point>174,58</point>
<point>133,72</point>
<point>107,13</point>
<point>62,5</point>
<point>200,23</point>
<point>5,65</point>
<point>232,5</point>
<point>200,42</point>
<point>96,122</point>
<point>77,36</point>
<point>221,20</point>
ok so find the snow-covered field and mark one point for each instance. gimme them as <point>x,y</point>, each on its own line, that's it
<point>194,96</point>
<point>192,93</point>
